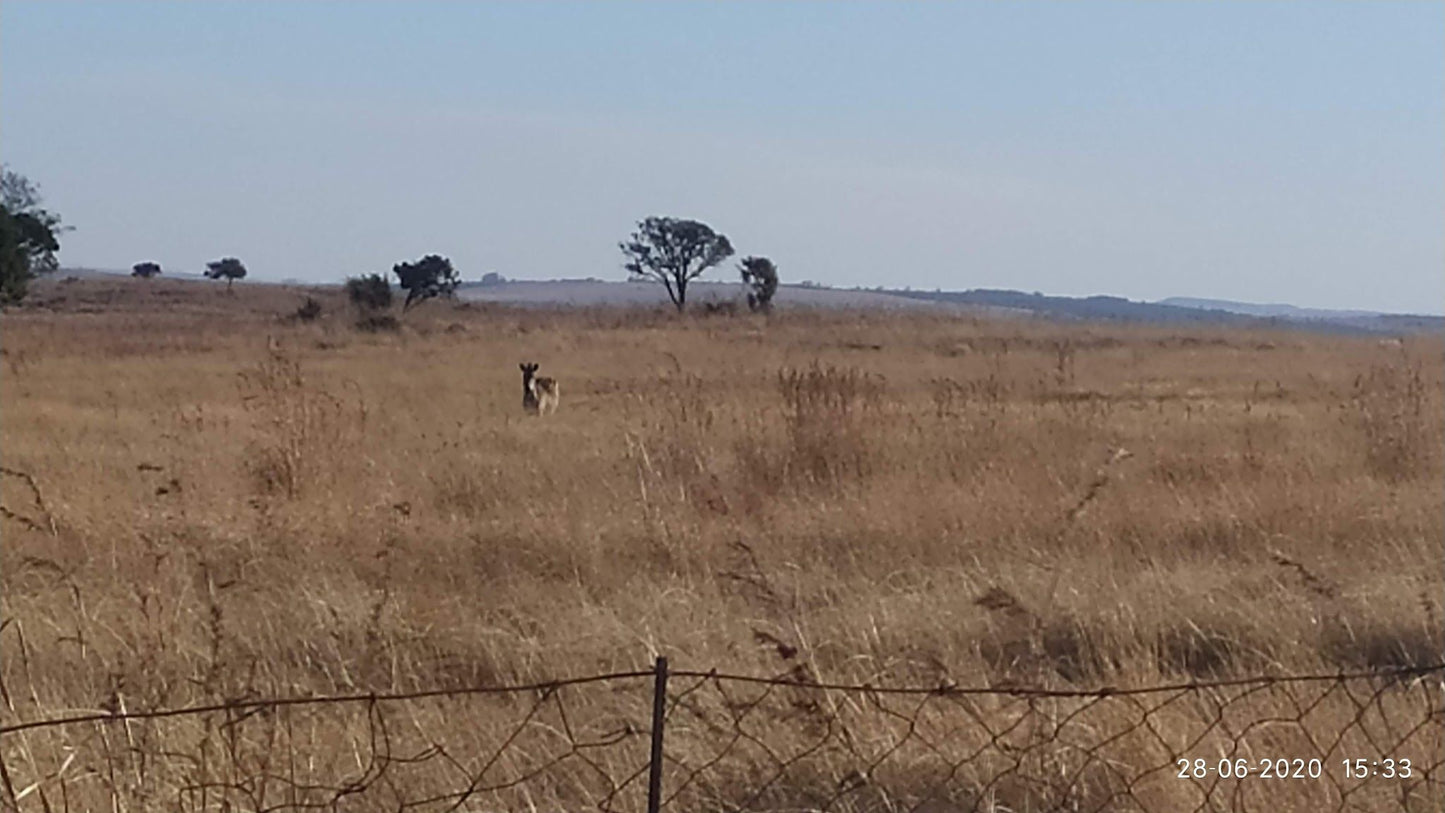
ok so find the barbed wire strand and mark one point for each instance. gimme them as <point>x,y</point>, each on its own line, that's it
<point>552,685</point>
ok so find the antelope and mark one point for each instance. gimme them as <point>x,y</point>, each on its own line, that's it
<point>539,395</point>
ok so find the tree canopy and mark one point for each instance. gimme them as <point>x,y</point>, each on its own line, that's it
<point>673,252</point>
<point>29,236</point>
<point>428,277</point>
<point>228,268</point>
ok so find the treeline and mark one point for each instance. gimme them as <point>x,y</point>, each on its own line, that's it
<point>669,251</point>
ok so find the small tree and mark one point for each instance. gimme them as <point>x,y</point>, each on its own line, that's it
<point>369,293</point>
<point>761,277</point>
<point>145,270</point>
<point>428,277</point>
<point>674,252</point>
<point>229,268</point>
<point>29,236</point>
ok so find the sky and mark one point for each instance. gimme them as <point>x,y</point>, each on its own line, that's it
<point>1264,152</point>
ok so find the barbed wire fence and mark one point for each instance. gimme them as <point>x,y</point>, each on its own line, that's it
<point>707,741</point>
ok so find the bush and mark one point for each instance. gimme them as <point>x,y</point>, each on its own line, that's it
<point>369,293</point>
<point>761,277</point>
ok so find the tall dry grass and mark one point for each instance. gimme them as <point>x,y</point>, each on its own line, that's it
<point>877,497</point>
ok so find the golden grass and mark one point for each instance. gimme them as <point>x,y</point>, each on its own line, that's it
<point>891,498</point>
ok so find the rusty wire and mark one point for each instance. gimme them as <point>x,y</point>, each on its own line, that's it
<point>739,742</point>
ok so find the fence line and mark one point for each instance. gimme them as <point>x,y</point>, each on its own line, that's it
<point>745,742</point>
<point>790,680</point>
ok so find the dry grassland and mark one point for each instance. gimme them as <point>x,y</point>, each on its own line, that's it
<point>857,497</point>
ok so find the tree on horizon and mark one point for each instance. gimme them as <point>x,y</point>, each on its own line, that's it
<point>673,252</point>
<point>429,277</point>
<point>228,268</point>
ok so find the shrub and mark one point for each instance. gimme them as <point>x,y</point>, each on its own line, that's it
<point>369,293</point>
<point>760,275</point>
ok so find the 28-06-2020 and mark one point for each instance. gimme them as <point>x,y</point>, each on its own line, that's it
<point>1283,768</point>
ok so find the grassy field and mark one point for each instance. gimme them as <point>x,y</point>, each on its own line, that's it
<point>208,500</point>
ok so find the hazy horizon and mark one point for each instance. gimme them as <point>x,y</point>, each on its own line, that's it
<point>1255,153</point>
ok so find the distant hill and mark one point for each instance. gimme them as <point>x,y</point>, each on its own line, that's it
<point>1267,311</point>
<point>1197,311</point>
<point>1371,321</point>
<point>1092,307</point>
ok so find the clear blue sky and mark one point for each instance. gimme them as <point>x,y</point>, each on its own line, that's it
<point>1255,151</point>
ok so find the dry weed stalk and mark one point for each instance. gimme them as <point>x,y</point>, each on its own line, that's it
<point>39,498</point>
<point>302,427</point>
<point>1096,484</point>
<point>1387,407</point>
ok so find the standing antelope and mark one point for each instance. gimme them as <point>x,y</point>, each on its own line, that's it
<point>539,395</point>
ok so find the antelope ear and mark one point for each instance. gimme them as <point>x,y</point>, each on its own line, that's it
<point>523,366</point>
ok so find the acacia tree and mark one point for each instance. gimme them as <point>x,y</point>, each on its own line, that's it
<point>673,252</point>
<point>761,277</point>
<point>145,270</point>
<point>428,277</point>
<point>29,236</point>
<point>228,268</point>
